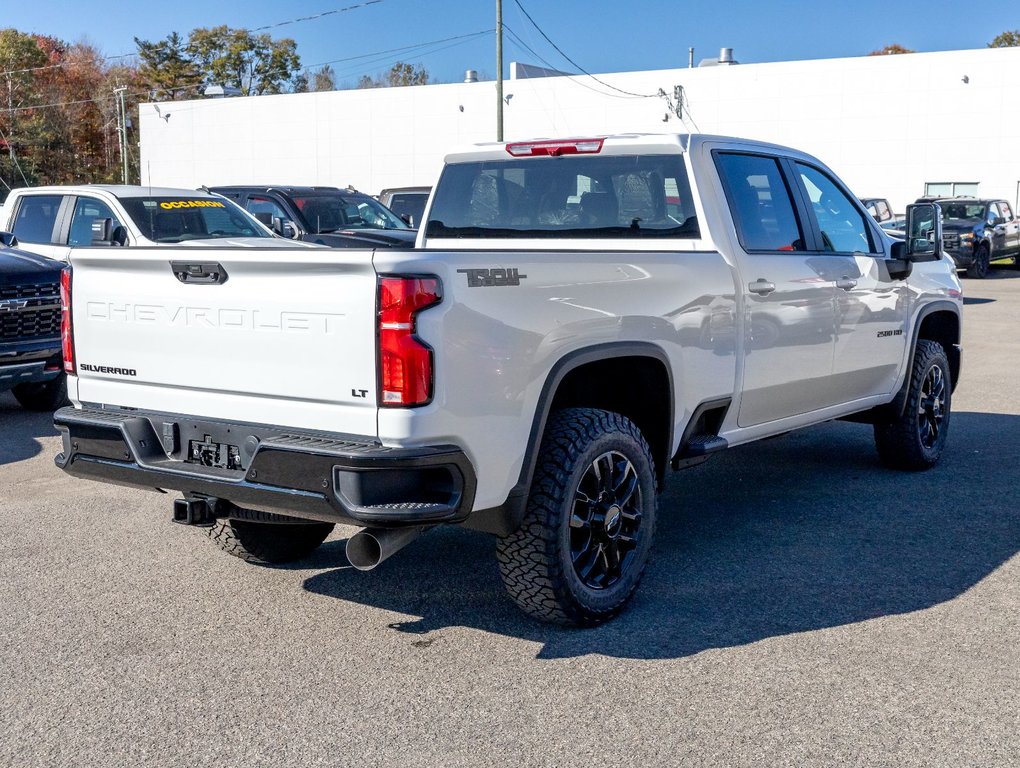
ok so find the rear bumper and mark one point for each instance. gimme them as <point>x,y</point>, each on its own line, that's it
<point>316,476</point>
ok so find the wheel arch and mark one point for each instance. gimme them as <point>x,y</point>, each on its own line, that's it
<point>649,403</point>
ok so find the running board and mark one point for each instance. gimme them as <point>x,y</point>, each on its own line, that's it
<point>697,449</point>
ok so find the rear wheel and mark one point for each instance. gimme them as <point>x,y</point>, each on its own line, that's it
<point>43,395</point>
<point>979,269</point>
<point>262,537</point>
<point>586,537</point>
<point>917,438</point>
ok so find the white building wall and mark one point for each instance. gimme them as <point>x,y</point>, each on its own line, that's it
<point>886,124</point>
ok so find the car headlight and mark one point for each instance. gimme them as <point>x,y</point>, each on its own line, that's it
<point>966,237</point>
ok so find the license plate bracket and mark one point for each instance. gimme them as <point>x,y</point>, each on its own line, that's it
<point>210,453</point>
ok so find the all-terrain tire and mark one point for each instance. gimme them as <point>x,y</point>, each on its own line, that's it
<point>979,269</point>
<point>586,537</point>
<point>915,440</point>
<point>43,395</point>
<point>263,537</point>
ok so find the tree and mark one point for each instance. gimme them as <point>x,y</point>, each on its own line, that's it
<point>398,75</point>
<point>254,64</point>
<point>324,79</point>
<point>20,58</point>
<point>167,69</point>
<point>1009,39</point>
<point>891,49</point>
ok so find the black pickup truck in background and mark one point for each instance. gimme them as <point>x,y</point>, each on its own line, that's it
<point>338,218</point>
<point>31,365</point>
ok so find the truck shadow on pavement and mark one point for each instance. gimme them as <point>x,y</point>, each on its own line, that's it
<point>19,429</point>
<point>784,536</point>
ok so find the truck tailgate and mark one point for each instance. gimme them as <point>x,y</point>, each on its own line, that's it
<point>287,338</point>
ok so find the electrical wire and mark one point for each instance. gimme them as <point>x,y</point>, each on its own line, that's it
<point>578,66</point>
<point>572,78</point>
<point>256,29</point>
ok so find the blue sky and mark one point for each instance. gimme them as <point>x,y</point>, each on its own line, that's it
<point>599,36</point>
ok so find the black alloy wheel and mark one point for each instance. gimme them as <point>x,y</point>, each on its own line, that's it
<point>605,525</point>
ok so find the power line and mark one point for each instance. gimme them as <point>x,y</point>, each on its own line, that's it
<point>256,29</point>
<point>316,16</point>
<point>578,66</point>
<point>407,48</point>
<point>572,78</point>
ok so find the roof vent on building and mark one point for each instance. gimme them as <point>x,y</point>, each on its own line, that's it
<point>471,76</point>
<point>725,59</point>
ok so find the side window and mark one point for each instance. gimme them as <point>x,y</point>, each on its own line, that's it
<point>37,217</point>
<point>842,225</point>
<point>265,205</point>
<point>760,203</point>
<point>993,212</point>
<point>86,211</point>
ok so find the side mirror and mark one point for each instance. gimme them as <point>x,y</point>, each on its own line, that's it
<point>264,217</point>
<point>408,219</point>
<point>8,239</point>
<point>284,227</point>
<point>924,232</point>
<point>102,230</point>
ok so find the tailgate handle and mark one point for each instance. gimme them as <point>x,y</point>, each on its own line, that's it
<point>200,274</point>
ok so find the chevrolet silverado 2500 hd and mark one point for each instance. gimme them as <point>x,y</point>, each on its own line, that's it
<point>576,317</point>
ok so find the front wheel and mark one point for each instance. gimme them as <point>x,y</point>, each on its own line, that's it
<point>915,440</point>
<point>982,263</point>
<point>587,533</point>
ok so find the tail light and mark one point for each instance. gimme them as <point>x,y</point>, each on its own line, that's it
<point>405,362</point>
<point>66,331</point>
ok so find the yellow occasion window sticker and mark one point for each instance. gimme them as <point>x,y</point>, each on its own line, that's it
<point>171,204</point>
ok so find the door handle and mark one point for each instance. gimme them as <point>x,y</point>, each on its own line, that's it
<point>761,286</point>
<point>846,283</point>
<point>199,274</point>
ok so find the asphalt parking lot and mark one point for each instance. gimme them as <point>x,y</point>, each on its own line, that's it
<point>805,607</point>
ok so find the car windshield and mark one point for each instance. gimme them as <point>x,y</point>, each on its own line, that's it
<point>962,211</point>
<point>333,212</point>
<point>175,219</point>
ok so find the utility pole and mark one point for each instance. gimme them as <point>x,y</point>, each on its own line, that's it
<point>499,70</point>
<point>122,131</point>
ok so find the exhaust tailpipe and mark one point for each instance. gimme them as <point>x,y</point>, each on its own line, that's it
<point>370,546</point>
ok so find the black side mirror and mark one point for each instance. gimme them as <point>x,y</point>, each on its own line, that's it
<point>8,239</point>
<point>408,219</point>
<point>924,232</point>
<point>264,217</point>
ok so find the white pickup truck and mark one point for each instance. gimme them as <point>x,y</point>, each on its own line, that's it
<point>576,317</point>
<point>53,221</point>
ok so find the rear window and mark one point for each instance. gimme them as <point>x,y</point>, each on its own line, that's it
<point>175,219</point>
<point>634,196</point>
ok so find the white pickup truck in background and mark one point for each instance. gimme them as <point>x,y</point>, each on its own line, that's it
<point>52,221</point>
<point>577,316</point>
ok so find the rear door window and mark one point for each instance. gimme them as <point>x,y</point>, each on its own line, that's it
<point>36,219</point>
<point>760,202</point>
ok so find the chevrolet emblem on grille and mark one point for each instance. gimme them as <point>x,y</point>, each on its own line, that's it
<point>13,305</point>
